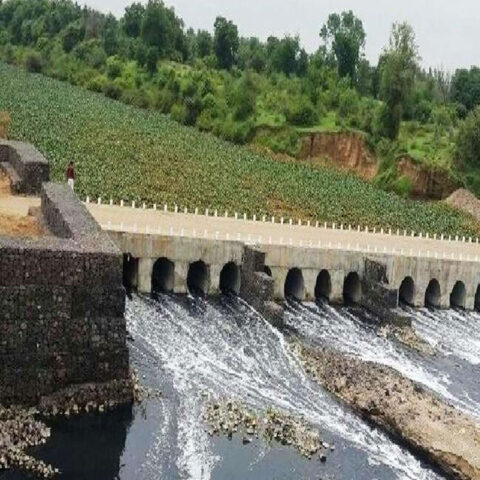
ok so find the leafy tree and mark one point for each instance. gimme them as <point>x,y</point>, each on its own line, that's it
<point>132,20</point>
<point>109,35</point>
<point>466,87</point>
<point>399,67</point>
<point>162,29</point>
<point>443,79</point>
<point>225,42</point>
<point>468,140</point>
<point>204,43</point>
<point>344,37</point>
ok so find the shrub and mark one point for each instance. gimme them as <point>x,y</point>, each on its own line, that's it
<point>112,90</point>
<point>301,113</point>
<point>114,67</point>
<point>34,63</point>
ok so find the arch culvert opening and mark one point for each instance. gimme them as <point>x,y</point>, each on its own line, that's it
<point>477,299</point>
<point>197,279</point>
<point>163,276</point>
<point>130,273</point>
<point>267,270</point>
<point>433,294</point>
<point>323,287</point>
<point>295,285</point>
<point>352,289</point>
<point>406,294</point>
<point>230,279</point>
<point>458,297</point>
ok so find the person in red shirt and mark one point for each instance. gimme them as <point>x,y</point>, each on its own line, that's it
<point>71,175</point>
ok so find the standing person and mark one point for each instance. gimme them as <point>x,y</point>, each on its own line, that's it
<point>71,175</point>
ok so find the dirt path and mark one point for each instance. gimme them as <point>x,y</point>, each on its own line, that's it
<point>14,218</point>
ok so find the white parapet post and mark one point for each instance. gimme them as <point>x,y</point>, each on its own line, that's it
<point>215,214</point>
<point>196,211</point>
<point>316,224</point>
<point>236,215</point>
<point>165,208</point>
<point>99,201</point>
<point>325,225</point>
<point>290,222</point>
<point>456,238</point>
<point>264,218</point>
<point>282,220</point>
<point>155,207</point>
<point>122,203</point>
<point>206,212</point>
<point>133,204</point>
<point>381,231</point>
<point>333,226</point>
<point>273,219</point>
<point>254,218</point>
<point>144,206</point>
<point>245,216</point>
<point>185,210</point>
<point>299,223</point>
<point>111,202</point>
<point>176,208</point>
<point>226,213</point>
<point>88,199</point>
<point>308,223</point>
<point>366,229</point>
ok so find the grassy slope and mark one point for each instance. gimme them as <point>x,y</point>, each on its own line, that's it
<point>123,152</point>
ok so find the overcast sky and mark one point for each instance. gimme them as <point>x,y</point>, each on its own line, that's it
<point>447,31</point>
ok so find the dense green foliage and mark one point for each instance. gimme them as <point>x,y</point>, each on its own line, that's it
<point>241,88</point>
<point>122,152</point>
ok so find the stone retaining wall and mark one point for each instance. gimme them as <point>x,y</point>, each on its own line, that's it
<point>27,167</point>
<point>61,305</point>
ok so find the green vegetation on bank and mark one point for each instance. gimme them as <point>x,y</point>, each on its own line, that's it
<point>237,88</point>
<point>123,152</point>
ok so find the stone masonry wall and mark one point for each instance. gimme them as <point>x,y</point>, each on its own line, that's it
<point>27,167</point>
<point>61,305</point>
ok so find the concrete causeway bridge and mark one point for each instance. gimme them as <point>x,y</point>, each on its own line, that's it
<point>176,251</point>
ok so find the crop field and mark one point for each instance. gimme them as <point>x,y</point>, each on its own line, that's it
<point>132,154</point>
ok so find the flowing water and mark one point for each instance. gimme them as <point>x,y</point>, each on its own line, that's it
<point>225,349</point>
<point>452,373</point>
<point>195,349</point>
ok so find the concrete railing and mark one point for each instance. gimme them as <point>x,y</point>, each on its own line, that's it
<point>289,221</point>
<point>250,239</point>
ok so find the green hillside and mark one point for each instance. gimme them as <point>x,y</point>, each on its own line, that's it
<point>127,153</point>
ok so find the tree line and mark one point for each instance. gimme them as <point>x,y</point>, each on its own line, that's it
<point>232,85</point>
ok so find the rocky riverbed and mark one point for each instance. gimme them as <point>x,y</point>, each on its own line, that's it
<point>229,417</point>
<point>439,432</point>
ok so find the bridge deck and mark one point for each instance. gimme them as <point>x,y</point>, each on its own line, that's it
<point>127,219</point>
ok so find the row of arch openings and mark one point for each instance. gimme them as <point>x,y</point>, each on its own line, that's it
<point>198,278</point>
<point>433,294</point>
<point>294,287</point>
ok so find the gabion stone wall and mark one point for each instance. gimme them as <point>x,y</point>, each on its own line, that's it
<point>26,167</point>
<point>61,305</point>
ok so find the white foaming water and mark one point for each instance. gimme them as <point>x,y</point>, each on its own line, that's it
<point>452,332</point>
<point>240,355</point>
<point>342,330</point>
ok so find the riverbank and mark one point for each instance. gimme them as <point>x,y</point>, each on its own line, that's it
<point>430,427</point>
